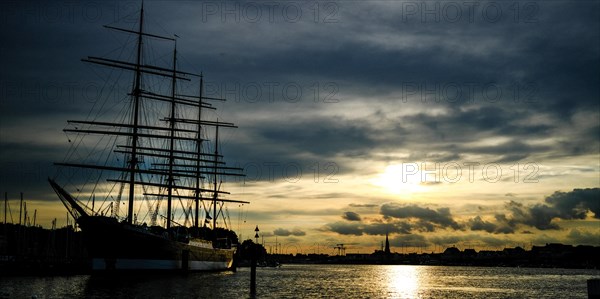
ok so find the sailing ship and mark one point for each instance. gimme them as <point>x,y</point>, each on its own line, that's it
<point>156,149</point>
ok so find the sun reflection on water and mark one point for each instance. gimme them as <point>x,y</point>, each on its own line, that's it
<point>403,281</point>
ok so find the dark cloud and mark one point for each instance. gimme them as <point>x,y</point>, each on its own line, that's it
<point>481,122</point>
<point>266,234</point>
<point>397,219</point>
<point>323,137</point>
<point>540,217</point>
<point>441,216</point>
<point>356,205</point>
<point>424,226</point>
<point>345,228</point>
<point>351,216</point>
<point>575,204</point>
<point>411,240</point>
<point>29,177</point>
<point>386,67</point>
<point>577,236</point>
<point>504,229</point>
<point>477,223</point>
<point>285,232</point>
<point>387,228</point>
<point>374,228</point>
<point>562,205</point>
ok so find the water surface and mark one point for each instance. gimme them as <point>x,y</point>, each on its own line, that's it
<point>316,281</point>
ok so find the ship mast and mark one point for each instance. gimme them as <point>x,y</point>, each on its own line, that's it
<point>215,177</point>
<point>172,141</point>
<point>179,162</point>
<point>136,104</point>
<point>199,151</point>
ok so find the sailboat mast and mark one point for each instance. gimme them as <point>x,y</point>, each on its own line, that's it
<point>136,103</point>
<point>199,150</point>
<point>215,178</point>
<point>172,140</point>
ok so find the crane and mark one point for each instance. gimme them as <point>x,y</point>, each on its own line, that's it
<point>341,249</point>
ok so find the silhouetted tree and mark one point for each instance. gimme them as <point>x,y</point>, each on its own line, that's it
<point>246,249</point>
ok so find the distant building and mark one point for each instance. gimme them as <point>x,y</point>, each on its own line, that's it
<point>451,253</point>
<point>469,252</point>
<point>357,256</point>
<point>517,251</point>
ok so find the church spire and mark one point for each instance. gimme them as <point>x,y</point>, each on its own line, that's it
<point>387,244</point>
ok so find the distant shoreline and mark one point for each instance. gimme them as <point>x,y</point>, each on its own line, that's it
<point>37,251</point>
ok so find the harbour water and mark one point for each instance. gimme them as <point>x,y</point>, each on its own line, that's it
<point>316,281</point>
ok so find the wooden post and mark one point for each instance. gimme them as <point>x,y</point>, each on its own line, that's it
<point>253,265</point>
<point>253,271</point>
<point>593,288</point>
<point>234,264</point>
<point>185,260</point>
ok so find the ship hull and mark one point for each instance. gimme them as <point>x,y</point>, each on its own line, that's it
<point>119,246</point>
<point>100,264</point>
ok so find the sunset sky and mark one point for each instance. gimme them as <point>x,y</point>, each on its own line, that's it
<point>475,124</point>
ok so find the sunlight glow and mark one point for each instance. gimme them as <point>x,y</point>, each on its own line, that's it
<point>400,179</point>
<point>403,281</point>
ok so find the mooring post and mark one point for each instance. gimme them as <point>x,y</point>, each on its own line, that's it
<point>253,265</point>
<point>235,261</point>
<point>253,273</point>
<point>593,288</point>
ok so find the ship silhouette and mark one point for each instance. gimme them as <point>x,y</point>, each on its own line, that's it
<point>156,150</point>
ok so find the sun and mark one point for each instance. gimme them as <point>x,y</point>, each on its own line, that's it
<point>399,179</point>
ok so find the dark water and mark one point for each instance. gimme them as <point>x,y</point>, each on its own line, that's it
<point>316,281</point>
